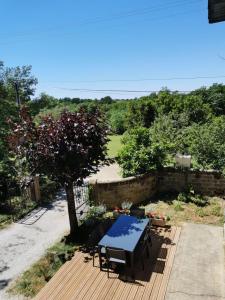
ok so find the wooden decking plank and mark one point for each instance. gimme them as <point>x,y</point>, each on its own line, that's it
<point>46,292</point>
<point>92,282</point>
<point>160,272</point>
<point>109,286</point>
<point>74,272</point>
<point>126,291</point>
<point>94,286</point>
<point>169,264</point>
<point>58,286</point>
<point>156,269</point>
<point>113,289</point>
<point>119,290</point>
<point>100,288</point>
<point>132,292</point>
<point>84,280</point>
<point>63,280</point>
<point>77,282</point>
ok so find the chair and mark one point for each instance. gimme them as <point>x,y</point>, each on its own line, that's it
<point>145,246</point>
<point>137,212</point>
<point>96,236</point>
<point>116,256</point>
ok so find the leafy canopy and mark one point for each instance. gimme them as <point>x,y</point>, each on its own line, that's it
<point>139,155</point>
<point>67,149</point>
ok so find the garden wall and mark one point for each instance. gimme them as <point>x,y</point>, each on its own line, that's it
<point>203,182</point>
<point>140,188</point>
<point>132,189</point>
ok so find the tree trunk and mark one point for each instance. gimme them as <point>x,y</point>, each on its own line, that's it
<point>71,209</point>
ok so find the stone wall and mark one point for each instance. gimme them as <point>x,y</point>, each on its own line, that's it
<point>140,188</point>
<point>203,182</point>
<point>132,189</point>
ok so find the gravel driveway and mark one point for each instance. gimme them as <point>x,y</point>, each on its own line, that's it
<point>21,244</point>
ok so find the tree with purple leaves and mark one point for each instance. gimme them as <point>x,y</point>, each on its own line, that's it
<point>67,149</point>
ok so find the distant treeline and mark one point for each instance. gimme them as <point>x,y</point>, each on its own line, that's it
<point>198,106</point>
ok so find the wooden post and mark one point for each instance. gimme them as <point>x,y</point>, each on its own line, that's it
<point>37,188</point>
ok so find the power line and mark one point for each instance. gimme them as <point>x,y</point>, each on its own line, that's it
<point>138,80</point>
<point>115,90</point>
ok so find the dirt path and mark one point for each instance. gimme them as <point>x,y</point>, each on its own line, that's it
<point>21,244</point>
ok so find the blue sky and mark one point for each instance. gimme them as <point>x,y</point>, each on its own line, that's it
<point>102,44</point>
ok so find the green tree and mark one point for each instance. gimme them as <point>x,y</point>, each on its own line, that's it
<point>43,102</point>
<point>139,155</point>
<point>22,76</point>
<point>206,144</point>
<point>140,113</point>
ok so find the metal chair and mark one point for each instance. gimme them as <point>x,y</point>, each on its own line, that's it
<point>116,256</point>
<point>96,236</point>
<point>145,246</point>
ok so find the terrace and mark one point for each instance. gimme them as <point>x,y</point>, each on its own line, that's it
<point>78,279</point>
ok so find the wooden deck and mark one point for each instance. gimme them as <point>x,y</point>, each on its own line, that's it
<point>78,279</point>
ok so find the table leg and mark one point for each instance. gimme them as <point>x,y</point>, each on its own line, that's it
<point>132,264</point>
<point>100,258</point>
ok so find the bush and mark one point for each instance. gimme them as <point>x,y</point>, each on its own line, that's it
<point>177,206</point>
<point>191,197</point>
<point>48,188</point>
<point>94,214</point>
<point>138,154</point>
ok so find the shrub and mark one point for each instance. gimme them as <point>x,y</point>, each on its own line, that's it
<point>138,154</point>
<point>94,214</point>
<point>48,188</point>
<point>177,206</point>
<point>191,197</point>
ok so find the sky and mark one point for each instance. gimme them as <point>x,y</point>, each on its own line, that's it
<point>126,47</point>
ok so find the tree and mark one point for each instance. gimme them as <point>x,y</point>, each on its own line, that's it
<point>106,100</point>
<point>21,76</point>
<point>44,102</point>
<point>140,113</point>
<point>206,144</point>
<point>139,155</point>
<point>66,149</point>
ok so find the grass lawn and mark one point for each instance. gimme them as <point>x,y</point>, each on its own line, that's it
<point>114,145</point>
<point>179,212</point>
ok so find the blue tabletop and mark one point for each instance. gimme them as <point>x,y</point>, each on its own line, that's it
<point>124,233</point>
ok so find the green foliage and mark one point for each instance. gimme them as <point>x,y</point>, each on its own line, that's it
<point>8,109</point>
<point>26,82</point>
<point>48,188</point>
<point>207,145</point>
<point>140,113</point>
<point>43,102</point>
<point>139,155</point>
<point>192,197</point>
<point>177,206</point>
<point>117,121</point>
<point>94,215</point>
